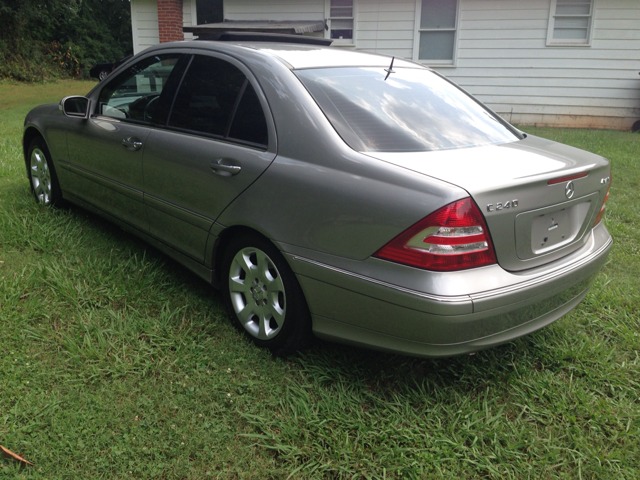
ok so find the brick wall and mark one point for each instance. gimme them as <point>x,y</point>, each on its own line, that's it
<point>170,20</point>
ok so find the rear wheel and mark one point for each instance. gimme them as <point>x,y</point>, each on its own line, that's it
<point>42,175</point>
<point>264,297</point>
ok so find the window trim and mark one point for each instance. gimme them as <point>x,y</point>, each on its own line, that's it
<point>251,80</point>
<point>173,80</point>
<point>188,55</point>
<point>345,42</point>
<point>567,42</point>
<point>418,30</point>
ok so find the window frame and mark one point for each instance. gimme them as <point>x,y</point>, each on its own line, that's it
<point>250,81</point>
<point>185,57</point>
<point>421,119</point>
<point>172,80</point>
<point>418,31</point>
<point>552,41</point>
<point>338,42</point>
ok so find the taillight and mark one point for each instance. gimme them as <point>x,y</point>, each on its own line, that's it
<point>454,237</point>
<point>603,207</point>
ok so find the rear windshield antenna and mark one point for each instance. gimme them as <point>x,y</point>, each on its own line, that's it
<point>390,69</point>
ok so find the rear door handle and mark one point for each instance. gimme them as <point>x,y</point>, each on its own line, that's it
<point>225,167</point>
<point>132,143</point>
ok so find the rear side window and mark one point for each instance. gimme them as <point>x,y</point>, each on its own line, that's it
<point>406,110</point>
<point>215,98</point>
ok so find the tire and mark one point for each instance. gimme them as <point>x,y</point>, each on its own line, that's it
<point>102,75</point>
<point>264,297</point>
<point>42,174</point>
<point>636,127</point>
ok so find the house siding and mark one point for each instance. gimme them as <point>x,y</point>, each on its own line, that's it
<point>144,18</point>
<point>386,27</point>
<point>282,10</point>
<point>501,53</point>
<point>189,16</point>
<point>503,59</point>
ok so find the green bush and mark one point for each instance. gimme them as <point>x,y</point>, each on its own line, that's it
<point>65,57</point>
<point>36,66</point>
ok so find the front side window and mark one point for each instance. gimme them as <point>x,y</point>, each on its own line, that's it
<point>215,98</point>
<point>437,27</point>
<point>408,110</point>
<point>136,93</point>
<point>340,21</point>
<point>570,22</point>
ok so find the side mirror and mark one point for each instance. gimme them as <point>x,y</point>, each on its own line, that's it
<point>75,106</point>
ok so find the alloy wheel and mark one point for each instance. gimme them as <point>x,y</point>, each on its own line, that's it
<point>40,176</point>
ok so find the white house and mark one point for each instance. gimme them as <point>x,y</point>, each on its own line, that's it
<point>546,62</point>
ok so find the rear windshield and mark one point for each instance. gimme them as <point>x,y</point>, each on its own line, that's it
<point>410,110</point>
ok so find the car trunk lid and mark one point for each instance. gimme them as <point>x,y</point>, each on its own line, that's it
<point>539,198</point>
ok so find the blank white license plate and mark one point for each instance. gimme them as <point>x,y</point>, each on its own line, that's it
<point>552,230</point>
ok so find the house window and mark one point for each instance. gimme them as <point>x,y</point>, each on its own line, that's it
<point>437,27</point>
<point>340,21</point>
<point>570,22</point>
<point>209,11</point>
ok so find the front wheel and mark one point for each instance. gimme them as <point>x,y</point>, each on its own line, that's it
<point>42,175</point>
<point>264,297</point>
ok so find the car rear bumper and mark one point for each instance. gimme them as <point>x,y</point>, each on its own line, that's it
<point>356,309</point>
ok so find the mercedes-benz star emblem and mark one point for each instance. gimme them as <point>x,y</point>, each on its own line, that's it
<point>569,190</point>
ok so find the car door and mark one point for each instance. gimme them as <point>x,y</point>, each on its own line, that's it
<point>106,151</point>
<point>217,142</point>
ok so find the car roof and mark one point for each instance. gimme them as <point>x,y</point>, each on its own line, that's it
<point>299,56</point>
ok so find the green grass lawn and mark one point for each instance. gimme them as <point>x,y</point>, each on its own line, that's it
<point>116,363</point>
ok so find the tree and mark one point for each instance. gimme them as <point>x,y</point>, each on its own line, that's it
<point>103,30</point>
<point>40,38</point>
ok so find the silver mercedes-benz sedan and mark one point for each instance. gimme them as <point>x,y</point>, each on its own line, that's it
<point>346,195</point>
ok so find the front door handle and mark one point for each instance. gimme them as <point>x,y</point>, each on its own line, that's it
<point>132,143</point>
<point>224,167</point>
